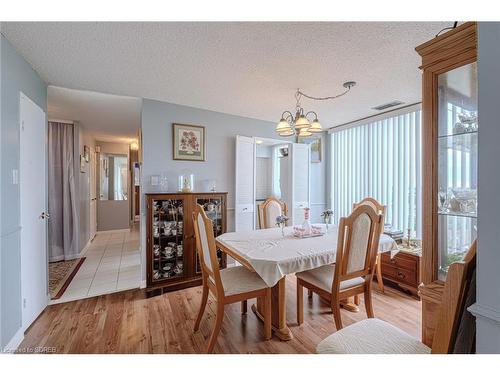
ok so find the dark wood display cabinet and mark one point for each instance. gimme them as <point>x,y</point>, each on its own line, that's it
<point>172,260</point>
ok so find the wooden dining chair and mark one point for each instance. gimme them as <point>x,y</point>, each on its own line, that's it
<point>374,336</point>
<point>372,202</point>
<point>352,272</point>
<point>230,285</point>
<point>269,210</point>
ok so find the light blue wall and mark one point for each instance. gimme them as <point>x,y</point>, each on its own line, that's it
<point>17,76</point>
<point>221,130</point>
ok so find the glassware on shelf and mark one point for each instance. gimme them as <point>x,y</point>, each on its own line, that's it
<point>167,239</point>
<point>163,182</point>
<point>457,164</point>
<point>186,182</point>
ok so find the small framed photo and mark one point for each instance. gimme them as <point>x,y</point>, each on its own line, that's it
<point>316,148</point>
<point>188,142</point>
<point>82,164</point>
<point>86,153</point>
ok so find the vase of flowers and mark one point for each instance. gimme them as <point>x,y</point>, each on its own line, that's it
<point>281,222</point>
<point>327,217</point>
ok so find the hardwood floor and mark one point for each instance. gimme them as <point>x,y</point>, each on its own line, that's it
<point>128,322</point>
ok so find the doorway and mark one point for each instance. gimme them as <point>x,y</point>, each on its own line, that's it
<point>106,129</point>
<point>32,172</point>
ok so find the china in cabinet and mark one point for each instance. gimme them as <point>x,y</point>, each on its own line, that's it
<point>172,260</point>
<point>450,129</point>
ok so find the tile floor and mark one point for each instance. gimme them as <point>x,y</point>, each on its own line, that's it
<point>112,264</point>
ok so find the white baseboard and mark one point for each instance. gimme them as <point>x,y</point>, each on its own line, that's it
<point>114,231</point>
<point>14,342</point>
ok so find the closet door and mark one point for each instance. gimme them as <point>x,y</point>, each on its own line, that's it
<point>300,176</point>
<point>245,184</point>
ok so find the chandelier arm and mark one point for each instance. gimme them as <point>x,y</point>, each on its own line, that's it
<point>288,113</point>
<point>314,113</point>
<point>324,97</point>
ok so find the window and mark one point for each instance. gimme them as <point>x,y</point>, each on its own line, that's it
<point>380,158</point>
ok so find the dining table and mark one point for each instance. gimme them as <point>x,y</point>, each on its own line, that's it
<point>275,253</point>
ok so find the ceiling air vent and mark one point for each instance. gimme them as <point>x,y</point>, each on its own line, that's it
<point>388,105</point>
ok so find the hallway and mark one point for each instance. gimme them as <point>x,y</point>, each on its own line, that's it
<point>112,264</point>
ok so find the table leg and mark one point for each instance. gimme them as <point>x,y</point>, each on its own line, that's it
<point>348,305</point>
<point>278,305</point>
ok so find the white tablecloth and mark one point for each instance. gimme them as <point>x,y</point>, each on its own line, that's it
<point>273,256</point>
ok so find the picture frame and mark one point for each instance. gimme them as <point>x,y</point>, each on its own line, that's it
<point>316,147</point>
<point>86,153</point>
<point>188,142</point>
<point>82,164</point>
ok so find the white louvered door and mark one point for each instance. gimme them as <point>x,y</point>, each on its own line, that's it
<point>245,184</point>
<point>300,176</point>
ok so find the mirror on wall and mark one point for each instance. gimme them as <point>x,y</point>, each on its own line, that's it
<point>113,177</point>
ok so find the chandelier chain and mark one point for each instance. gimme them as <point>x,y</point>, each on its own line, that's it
<point>300,93</point>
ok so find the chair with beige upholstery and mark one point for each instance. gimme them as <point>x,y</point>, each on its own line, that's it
<point>234,284</point>
<point>268,212</point>
<point>374,336</point>
<point>372,202</point>
<point>352,272</point>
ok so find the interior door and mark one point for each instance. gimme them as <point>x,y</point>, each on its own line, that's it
<point>300,160</point>
<point>93,194</point>
<point>32,181</point>
<point>245,184</point>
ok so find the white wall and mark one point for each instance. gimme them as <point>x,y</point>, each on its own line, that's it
<point>487,307</point>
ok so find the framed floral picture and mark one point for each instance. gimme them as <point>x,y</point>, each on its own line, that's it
<point>188,142</point>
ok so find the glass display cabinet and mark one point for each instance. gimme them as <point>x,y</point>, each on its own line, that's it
<point>449,160</point>
<point>213,206</point>
<point>457,164</point>
<point>172,260</point>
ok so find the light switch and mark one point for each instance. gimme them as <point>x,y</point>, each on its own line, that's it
<point>15,176</point>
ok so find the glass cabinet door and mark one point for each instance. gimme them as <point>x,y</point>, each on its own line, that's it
<point>213,209</point>
<point>457,164</point>
<point>168,239</point>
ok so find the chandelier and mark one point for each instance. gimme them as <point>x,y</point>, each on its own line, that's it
<point>299,124</point>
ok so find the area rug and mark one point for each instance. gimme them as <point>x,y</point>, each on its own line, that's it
<point>60,275</point>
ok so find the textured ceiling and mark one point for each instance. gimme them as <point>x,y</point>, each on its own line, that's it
<point>248,69</point>
<point>107,117</point>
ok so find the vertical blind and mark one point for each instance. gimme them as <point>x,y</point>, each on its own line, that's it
<point>381,159</point>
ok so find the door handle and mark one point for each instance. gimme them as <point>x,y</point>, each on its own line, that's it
<point>44,215</point>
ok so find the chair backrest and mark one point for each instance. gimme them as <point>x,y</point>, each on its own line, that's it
<point>376,205</point>
<point>452,306</point>
<point>357,246</point>
<point>205,246</point>
<point>269,210</point>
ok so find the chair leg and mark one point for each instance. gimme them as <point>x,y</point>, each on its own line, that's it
<point>368,301</point>
<point>356,299</point>
<point>204,298</point>
<point>309,293</point>
<point>244,307</point>
<point>380,281</point>
<point>336,314</point>
<point>300,303</point>
<point>218,322</point>
<point>267,315</point>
